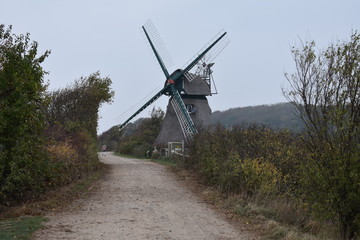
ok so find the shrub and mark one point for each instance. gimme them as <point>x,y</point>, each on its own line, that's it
<point>142,138</point>
<point>325,90</point>
<point>28,173</point>
<point>246,159</point>
<point>65,160</point>
<point>259,175</point>
<point>23,165</point>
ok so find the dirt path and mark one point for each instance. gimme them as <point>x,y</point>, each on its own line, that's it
<point>139,200</point>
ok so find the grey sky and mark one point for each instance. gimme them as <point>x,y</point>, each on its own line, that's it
<point>87,35</point>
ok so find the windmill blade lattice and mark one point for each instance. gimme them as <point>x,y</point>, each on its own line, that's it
<point>186,123</point>
<point>210,55</point>
<point>153,35</point>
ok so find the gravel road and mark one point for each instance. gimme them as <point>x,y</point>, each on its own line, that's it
<point>139,200</point>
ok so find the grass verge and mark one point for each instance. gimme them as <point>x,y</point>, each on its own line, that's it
<point>267,218</point>
<point>20,228</point>
<point>165,161</point>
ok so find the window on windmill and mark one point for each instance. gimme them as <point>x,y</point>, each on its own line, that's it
<point>190,108</point>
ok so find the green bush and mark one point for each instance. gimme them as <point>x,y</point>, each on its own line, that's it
<point>23,163</point>
<point>325,90</point>
<point>247,159</point>
<point>141,150</point>
<point>259,175</point>
<point>46,139</point>
<point>29,171</point>
<point>141,139</point>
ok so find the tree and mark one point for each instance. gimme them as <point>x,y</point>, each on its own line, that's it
<point>110,138</point>
<point>142,138</point>
<point>326,91</point>
<point>77,106</point>
<point>72,118</point>
<point>21,117</point>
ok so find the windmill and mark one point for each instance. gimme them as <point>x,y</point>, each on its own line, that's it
<point>187,89</point>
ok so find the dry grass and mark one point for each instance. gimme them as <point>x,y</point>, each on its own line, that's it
<point>268,217</point>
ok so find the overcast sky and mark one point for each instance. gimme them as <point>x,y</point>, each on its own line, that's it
<point>86,36</point>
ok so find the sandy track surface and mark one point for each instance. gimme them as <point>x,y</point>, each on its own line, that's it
<point>139,200</point>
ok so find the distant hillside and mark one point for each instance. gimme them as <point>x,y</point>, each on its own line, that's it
<point>276,116</point>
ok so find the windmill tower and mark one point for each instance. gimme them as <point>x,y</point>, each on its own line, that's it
<point>187,89</point>
<point>194,89</point>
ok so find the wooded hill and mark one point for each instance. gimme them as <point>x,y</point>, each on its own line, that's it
<point>276,116</point>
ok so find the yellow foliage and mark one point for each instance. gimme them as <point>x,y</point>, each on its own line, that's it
<point>62,152</point>
<point>259,175</point>
<point>67,165</point>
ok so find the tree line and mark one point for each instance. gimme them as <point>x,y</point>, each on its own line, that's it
<point>136,138</point>
<point>47,138</point>
<point>276,116</point>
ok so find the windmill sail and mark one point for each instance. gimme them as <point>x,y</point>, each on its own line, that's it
<point>158,47</point>
<point>215,45</point>
<point>185,121</point>
<point>153,99</point>
<point>173,85</point>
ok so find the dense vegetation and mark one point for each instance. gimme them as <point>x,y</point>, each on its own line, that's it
<point>72,117</point>
<point>136,138</point>
<point>23,165</point>
<point>326,91</point>
<point>46,139</point>
<point>245,159</point>
<point>110,138</point>
<point>142,138</point>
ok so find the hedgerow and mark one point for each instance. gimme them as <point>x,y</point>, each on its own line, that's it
<point>247,159</point>
<point>47,139</point>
